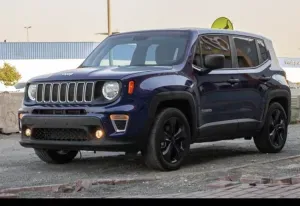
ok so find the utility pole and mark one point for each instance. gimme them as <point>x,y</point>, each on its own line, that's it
<point>109,31</point>
<point>27,28</point>
<point>108,18</point>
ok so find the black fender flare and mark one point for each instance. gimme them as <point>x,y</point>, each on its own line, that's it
<point>174,95</point>
<point>278,93</point>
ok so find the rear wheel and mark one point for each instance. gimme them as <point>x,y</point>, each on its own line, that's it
<point>273,136</point>
<point>56,156</point>
<point>169,141</point>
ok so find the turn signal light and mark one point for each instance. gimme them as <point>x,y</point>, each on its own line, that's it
<point>119,117</point>
<point>130,87</point>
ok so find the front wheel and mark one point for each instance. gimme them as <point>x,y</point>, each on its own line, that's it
<point>55,156</point>
<point>272,137</point>
<point>169,141</point>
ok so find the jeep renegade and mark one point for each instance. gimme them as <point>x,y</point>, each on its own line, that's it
<point>157,92</point>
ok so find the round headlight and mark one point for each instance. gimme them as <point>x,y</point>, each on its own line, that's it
<point>32,92</point>
<point>110,90</point>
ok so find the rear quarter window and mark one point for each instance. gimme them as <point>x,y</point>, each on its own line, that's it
<point>263,50</point>
<point>247,55</point>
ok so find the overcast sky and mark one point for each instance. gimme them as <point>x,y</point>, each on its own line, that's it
<point>79,20</point>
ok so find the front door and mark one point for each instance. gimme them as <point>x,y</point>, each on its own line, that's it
<point>219,90</point>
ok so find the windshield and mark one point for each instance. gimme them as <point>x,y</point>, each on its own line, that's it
<point>140,49</point>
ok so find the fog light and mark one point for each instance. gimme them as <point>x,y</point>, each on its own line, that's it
<point>28,132</point>
<point>99,134</point>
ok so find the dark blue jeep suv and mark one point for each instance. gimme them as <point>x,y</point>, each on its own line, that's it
<point>157,92</point>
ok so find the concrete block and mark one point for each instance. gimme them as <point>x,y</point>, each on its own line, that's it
<point>10,103</point>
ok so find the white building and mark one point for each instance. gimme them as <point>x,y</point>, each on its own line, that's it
<point>37,58</point>
<point>292,68</point>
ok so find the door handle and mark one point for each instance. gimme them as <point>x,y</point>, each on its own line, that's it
<point>264,79</point>
<point>233,81</point>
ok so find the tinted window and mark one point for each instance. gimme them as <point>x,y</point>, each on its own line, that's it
<point>263,50</point>
<point>246,52</point>
<point>140,49</point>
<point>150,56</point>
<point>120,55</point>
<point>197,57</point>
<point>216,44</point>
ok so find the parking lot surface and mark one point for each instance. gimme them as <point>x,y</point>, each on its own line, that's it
<point>207,162</point>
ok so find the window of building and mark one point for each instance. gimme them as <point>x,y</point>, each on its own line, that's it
<point>263,50</point>
<point>216,44</point>
<point>246,52</point>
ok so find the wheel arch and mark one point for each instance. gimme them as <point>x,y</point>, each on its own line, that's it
<point>179,100</point>
<point>283,97</point>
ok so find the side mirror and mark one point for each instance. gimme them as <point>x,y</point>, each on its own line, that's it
<point>214,61</point>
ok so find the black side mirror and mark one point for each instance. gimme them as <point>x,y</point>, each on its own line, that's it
<point>214,61</point>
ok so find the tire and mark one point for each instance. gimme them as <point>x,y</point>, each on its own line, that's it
<point>55,157</point>
<point>273,135</point>
<point>159,143</point>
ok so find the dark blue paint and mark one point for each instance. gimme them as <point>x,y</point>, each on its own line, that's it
<point>243,101</point>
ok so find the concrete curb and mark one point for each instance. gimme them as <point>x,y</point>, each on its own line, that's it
<point>8,196</point>
<point>253,180</point>
<point>76,186</point>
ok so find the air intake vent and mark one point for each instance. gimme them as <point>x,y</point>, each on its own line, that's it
<point>71,92</point>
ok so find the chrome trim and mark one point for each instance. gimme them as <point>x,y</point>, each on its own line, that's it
<point>83,91</point>
<point>58,93</point>
<point>69,90</point>
<point>66,92</point>
<point>43,93</point>
<point>50,93</point>
<point>115,126</point>
<point>92,95</point>
<point>36,99</point>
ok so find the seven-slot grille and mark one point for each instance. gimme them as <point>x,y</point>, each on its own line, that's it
<point>65,92</point>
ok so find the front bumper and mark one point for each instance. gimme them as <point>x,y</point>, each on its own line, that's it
<point>85,123</point>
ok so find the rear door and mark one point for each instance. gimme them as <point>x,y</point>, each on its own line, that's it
<point>252,63</point>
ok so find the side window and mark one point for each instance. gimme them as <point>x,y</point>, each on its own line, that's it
<point>121,55</point>
<point>216,44</point>
<point>246,52</point>
<point>197,61</point>
<point>263,50</point>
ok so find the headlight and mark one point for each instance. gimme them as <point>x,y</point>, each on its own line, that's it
<point>32,92</point>
<point>110,90</point>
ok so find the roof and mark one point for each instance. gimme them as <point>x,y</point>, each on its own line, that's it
<point>45,50</point>
<point>200,31</point>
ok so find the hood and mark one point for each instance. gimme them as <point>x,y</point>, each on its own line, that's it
<point>97,73</point>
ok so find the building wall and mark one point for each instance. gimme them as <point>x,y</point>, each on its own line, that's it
<point>291,67</point>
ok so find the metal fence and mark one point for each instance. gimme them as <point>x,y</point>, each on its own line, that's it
<point>45,50</point>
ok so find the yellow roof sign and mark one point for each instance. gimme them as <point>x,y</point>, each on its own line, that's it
<point>222,23</point>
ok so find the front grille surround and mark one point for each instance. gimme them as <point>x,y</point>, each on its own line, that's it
<point>46,94</point>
